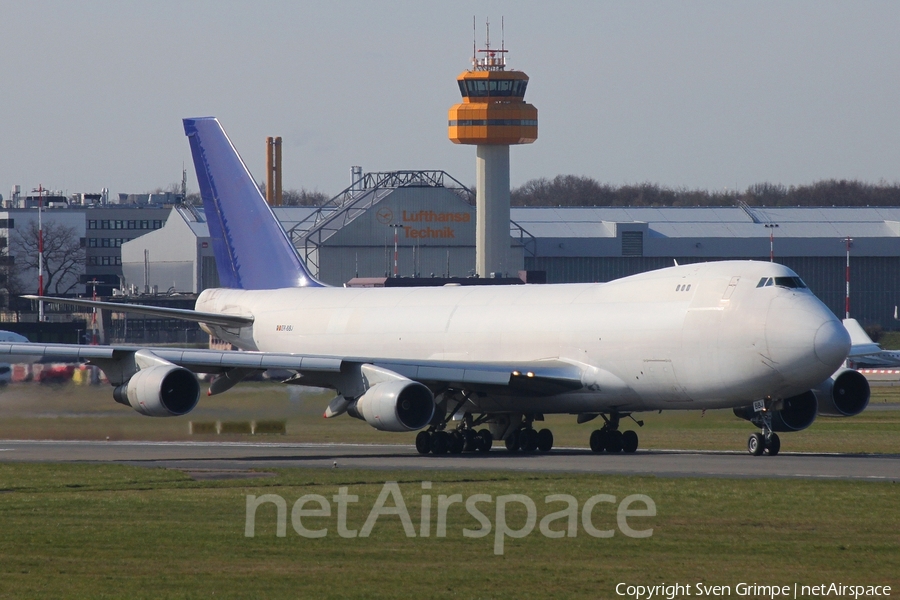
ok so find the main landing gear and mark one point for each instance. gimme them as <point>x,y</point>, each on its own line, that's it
<point>453,442</point>
<point>609,439</point>
<point>526,439</point>
<point>465,438</point>
<point>766,442</point>
<point>468,438</point>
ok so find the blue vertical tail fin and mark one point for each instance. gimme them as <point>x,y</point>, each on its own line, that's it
<point>251,248</point>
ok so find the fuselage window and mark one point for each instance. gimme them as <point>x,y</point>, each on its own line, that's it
<point>678,288</point>
<point>688,288</point>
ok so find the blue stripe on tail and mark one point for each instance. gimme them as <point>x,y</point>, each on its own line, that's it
<point>251,248</point>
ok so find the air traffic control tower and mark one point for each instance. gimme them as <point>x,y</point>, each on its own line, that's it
<point>493,115</point>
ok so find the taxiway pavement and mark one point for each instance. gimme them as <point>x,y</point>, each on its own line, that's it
<point>224,457</point>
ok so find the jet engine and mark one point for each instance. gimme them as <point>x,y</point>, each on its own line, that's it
<point>844,394</point>
<point>795,413</point>
<point>395,405</point>
<point>163,390</point>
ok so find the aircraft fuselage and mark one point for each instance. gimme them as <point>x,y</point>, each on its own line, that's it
<point>687,337</point>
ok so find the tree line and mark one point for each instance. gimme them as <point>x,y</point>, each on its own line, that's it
<point>574,190</point>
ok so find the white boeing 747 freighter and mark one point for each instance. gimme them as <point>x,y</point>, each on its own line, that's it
<point>737,334</point>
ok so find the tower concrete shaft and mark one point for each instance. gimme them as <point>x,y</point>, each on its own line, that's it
<point>492,239</point>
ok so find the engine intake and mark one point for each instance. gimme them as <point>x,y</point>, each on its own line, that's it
<point>160,391</point>
<point>796,413</point>
<point>845,394</point>
<point>397,405</point>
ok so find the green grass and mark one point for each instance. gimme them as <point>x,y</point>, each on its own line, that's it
<point>890,340</point>
<point>95,531</point>
<point>31,411</point>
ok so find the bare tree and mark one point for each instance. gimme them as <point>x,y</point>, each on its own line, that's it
<point>63,257</point>
<point>301,197</point>
<point>304,197</point>
<point>11,284</point>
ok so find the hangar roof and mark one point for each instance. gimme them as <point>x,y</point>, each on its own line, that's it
<point>712,222</point>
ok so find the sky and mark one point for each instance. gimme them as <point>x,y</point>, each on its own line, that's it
<point>697,94</point>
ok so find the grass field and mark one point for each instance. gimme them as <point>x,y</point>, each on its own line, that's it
<point>112,531</point>
<point>87,531</point>
<point>31,411</point>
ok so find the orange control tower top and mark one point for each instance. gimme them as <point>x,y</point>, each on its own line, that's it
<point>493,110</point>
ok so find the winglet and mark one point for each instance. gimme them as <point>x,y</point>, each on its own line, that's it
<point>251,248</point>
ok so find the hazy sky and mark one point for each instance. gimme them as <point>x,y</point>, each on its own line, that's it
<point>698,94</point>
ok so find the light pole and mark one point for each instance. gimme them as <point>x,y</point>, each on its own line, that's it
<point>40,191</point>
<point>849,241</point>
<point>95,334</point>
<point>396,227</point>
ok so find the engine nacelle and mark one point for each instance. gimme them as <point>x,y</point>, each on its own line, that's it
<point>160,391</point>
<point>796,413</point>
<point>845,394</point>
<point>396,405</point>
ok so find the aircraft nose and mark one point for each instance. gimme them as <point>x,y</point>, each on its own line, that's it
<point>800,328</point>
<point>832,342</point>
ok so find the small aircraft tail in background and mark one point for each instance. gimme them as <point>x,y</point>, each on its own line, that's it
<point>866,353</point>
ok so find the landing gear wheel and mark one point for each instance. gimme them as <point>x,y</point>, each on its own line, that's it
<point>440,442</point>
<point>544,440</point>
<point>528,440</point>
<point>471,441</point>
<point>512,441</point>
<point>756,444</point>
<point>629,441</point>
<point>598,440</point>
<point>457,442</point>
<point>773,443</point>
<point>484,440</point>
<point>614,441</point>
<point>423,442</point>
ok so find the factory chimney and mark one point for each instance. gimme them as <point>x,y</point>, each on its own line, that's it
<point>273,171</point>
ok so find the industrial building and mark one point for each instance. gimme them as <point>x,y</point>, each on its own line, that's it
<point>99,229</point>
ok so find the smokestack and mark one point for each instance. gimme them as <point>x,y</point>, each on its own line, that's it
<point>278,197</point>
<point>273,171</point>
<point>270,175</point>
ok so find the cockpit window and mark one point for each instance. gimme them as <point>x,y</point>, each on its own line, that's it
<point>790,282</point>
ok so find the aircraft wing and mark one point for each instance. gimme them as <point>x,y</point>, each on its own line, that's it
<point>546,377</point>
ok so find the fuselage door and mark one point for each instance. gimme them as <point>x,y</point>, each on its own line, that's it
<point>730,289</point>
<point>660,383</point>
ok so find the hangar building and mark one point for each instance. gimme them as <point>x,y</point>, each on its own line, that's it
<point>432,216</point>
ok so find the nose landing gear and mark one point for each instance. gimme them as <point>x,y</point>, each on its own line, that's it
<point>766,442</point>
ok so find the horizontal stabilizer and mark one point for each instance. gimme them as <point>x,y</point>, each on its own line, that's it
<point>156,311</point>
